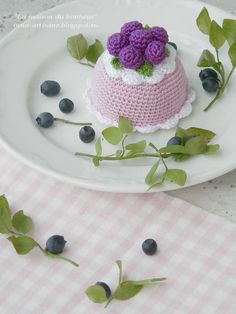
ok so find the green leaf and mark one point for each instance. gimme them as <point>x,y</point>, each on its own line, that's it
<point>196,145</point>
<point>177,176</point>
<point>149,180</point>
<point>126,291</point>
<point>158,183</point>
<point>131,153</point>
<point>207,59</point>
<point>5,216</point>
<point>21,222</point>
<point>98,147</point>
<point>119,264</point>
<point>118,153</point>
<point>146,69</point>
<point>212,148</point>
<point>22,244</point>
<point>145,282</point>
<point>125,125</point>
<point>229,29</point>
<point>94,51</point>
<point>204,21</point>
<point>217,38</point>
<point>113,135</point>
<point>218,66</point>
<point>232,54</point>
<point>77,46</point>
<point>153,146</point>
<point>115,62</point>
<point>96,161</point>
<point>173,149</point>
<point>138,147</point>
<point>198,131</point>
<point>181,157</point>
<point>181,133</point>
<point>96,294</point>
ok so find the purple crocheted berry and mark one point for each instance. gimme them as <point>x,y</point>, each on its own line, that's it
<point>116,42</point>
<point>140,39</point>
<point>159,33</point>
<point>131,57</point>
<point>129,27</point>
<point>155,52</point>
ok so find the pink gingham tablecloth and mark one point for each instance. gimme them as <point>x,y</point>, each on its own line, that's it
<point>197,250</point>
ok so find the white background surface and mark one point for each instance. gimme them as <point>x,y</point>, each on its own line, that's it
<point>217,196</point>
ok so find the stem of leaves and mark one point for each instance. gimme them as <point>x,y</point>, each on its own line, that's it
<point>221,90</point>
<point>88,64</point>
<point>217,96</point>
<point>221,69</point>
<point>71,122</point>
<point>45,252</point>
<point>228,79</point>
<point>123,145</point>
<point>129,288</point>
<point>198,144</point>
<point>160,155</point>
<point>218,35</point>
<point>101,158</point>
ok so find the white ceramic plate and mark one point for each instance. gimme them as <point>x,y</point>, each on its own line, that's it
<point>32,54</point>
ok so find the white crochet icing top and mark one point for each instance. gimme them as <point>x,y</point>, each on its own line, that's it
<point>132,77</point>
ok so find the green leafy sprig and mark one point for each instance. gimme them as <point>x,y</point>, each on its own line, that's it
<point>218,35</point>
<point>17,228</point>
<point>79,49</point>
<point>125,290</point>
<point>195,141</point>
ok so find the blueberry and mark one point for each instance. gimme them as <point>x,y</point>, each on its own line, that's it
<point>210,84</point>
<point>55,244</point>
<point>149,247</point>
<point>173,45</point>
<point>106,288</point>
<point>176,140</point>
<point>66,105</point>
<point>45,119</point>
<point>50,88</point>
<point>207,73</point>
<point>87,134</point>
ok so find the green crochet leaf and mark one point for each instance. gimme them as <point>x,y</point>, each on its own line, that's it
<point>145,69</point>
<point>116,63</point>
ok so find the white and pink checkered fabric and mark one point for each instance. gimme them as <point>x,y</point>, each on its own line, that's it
<point>197,250</point>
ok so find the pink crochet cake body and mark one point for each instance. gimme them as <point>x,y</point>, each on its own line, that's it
<point>143,104</point>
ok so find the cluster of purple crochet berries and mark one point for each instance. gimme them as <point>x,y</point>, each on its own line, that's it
<point>136,44</point>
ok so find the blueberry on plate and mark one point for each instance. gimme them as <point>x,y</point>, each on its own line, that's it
<point>66,105</point>
<point>87,134</point>
<point>55,244</point>
<point>149,247</point>
<point>173,45</point>
<point>50,88</point>
<point>211,84</point>
<point>208,73</point>
<point>45,119</point>
<point>105,287</point>
<point>176,140</point>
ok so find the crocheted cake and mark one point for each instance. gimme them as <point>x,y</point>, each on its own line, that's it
<point>140,77</point>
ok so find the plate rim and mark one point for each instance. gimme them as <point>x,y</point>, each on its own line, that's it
<point>80,182</point>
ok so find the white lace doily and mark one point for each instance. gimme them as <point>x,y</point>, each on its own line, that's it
<point>168,124</point>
